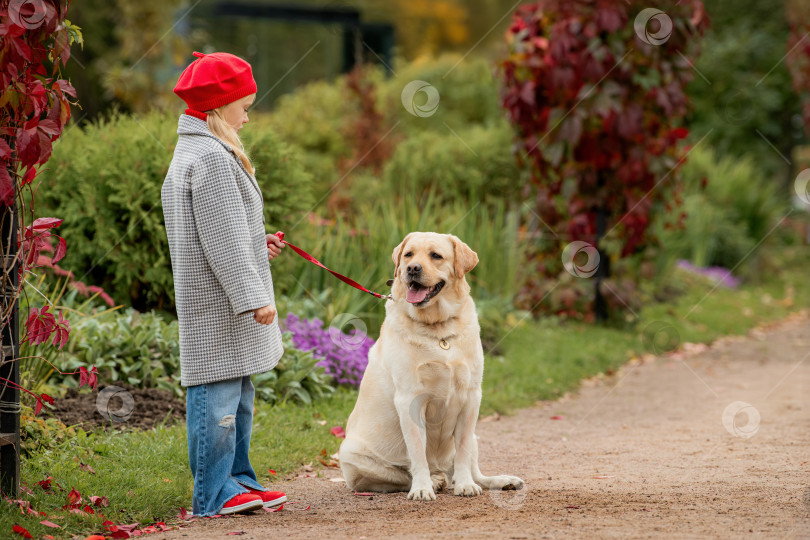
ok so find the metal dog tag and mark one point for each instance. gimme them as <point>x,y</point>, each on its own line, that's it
<point>443,344</point>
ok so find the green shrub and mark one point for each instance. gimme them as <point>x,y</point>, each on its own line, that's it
<point>143,350</point>
<point>468,94</point>
<point>473,165</point>
<point>105,179</point>
<point>138,348</point>
<point>726,220</point>
<point>39,434</point>
<point>295,378</point>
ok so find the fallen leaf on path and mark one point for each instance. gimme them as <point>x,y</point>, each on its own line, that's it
<point>240,533</point>
<point>337,480</point>
<point>363,494</point>
<point>556,417</point>
<point>574,507</point>
<point>95,537</point>
<point>271,471</point>
<point>338,432</point>
<point>306,476</point>
<point>278,508</point>
<point>604,476</point>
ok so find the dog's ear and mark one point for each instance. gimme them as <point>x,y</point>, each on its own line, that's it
<point>465,258</point>
<point>398,253</point>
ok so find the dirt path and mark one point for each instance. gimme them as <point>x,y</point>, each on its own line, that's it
<point>642,454</point>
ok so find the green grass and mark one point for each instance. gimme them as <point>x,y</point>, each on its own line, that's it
<point>146,478</point>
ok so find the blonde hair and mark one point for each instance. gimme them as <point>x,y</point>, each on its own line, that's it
<point>222,129</point>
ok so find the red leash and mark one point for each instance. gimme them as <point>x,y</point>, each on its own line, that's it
<point>341,277</point>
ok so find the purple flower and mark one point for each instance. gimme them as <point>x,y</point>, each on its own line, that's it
<point>717,274</point>
<point>344,356</point>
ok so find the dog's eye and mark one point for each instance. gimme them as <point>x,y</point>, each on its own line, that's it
<point>409,254</point>
<point>435,255</point>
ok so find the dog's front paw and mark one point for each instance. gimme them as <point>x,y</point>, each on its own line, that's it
<point>467,490</point>
<point>422,494</point>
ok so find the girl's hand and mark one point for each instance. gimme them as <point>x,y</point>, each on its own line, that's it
<point>274,246</point>
<point>264,315</point>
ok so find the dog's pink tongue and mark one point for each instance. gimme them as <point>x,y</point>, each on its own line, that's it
<point>415,296</point>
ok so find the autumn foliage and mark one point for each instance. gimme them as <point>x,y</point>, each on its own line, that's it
<point>798,55</point>
<point>34,108</point>
<point>597,103</point>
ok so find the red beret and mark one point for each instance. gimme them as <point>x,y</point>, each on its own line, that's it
<point>214,80</point>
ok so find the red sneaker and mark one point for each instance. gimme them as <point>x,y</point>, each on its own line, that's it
<point>244,502</point>
<point>269,498</point>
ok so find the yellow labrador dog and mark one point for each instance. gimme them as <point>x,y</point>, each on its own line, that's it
<point>413,426</point>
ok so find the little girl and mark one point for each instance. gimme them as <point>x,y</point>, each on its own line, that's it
<point>224,295</point>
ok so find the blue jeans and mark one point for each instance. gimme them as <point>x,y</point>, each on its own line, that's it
<point>219,420</point>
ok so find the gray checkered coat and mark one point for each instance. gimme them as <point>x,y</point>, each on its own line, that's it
<point>214,220</point>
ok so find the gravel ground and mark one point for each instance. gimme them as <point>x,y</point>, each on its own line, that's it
<point>655,450</point>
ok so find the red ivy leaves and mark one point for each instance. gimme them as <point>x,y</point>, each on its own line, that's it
<point>798,57</point>
<point>36,239</point>
<point>596,109</point>
<point>89,378</point>
<point>42,324</point>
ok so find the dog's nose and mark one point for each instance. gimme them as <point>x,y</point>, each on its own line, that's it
<point>414,268</point>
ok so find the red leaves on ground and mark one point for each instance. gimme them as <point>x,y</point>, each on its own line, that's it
<point>338,432</point>
<point>21,531</point>
<point>99,501</point>
<point>45,484</point>
<point>556,417</point>
<point>74,500</point>
<point>271,471</point>
<point>120,531</point>
<point>50,524</point>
